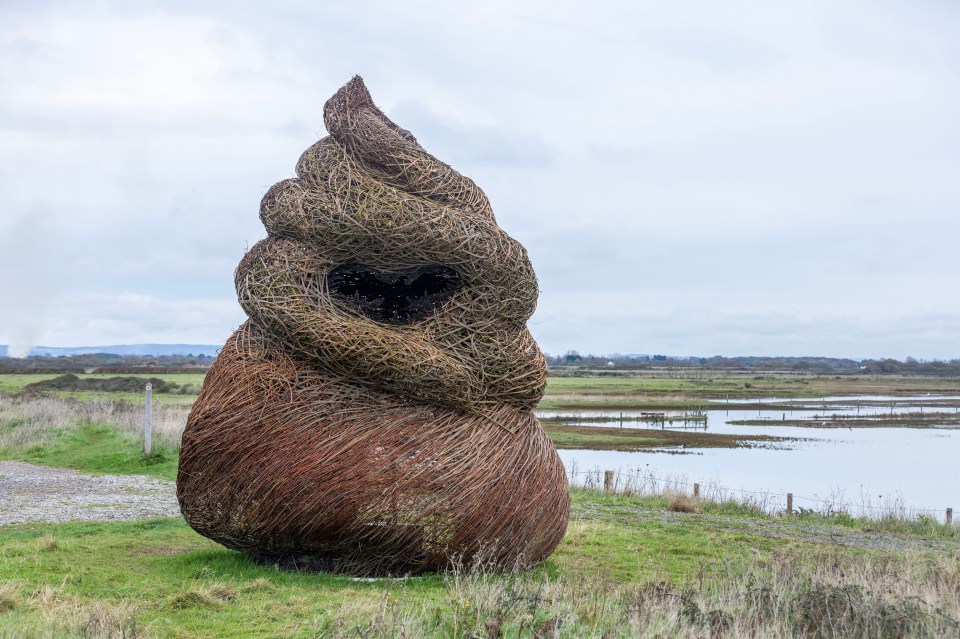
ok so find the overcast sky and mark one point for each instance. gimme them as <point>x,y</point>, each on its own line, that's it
<point>700,178</point>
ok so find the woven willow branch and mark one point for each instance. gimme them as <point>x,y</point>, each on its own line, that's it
<point>323,439</point>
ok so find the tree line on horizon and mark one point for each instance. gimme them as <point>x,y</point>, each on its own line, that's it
<point>105,363</point>
<point>820,365</point>
<point>119,364</point>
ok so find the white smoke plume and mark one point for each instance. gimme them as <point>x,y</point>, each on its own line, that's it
<point>28,279</point>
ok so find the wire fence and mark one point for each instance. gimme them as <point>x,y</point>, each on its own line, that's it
<point>651,483</point>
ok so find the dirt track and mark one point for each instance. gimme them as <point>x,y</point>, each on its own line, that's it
<point>30,493</point>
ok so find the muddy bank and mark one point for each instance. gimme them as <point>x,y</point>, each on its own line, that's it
<point>633,439</point>
<point>902,420</point>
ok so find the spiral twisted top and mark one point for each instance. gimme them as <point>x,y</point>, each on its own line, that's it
<point>385,267</point>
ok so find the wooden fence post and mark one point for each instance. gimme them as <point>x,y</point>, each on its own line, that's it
<point>949,519</point>
<point>789,503</point>
<point>696,491</point>
<point>148,421</point>
<point>608,481</point>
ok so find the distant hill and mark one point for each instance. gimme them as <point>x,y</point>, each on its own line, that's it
<point>155,350</point>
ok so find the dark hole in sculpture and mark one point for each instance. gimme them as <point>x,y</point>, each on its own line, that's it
<point>396,297</point>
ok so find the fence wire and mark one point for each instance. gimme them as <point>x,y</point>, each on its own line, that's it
<point>645,482</point>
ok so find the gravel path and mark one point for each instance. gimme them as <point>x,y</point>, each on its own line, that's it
<point>38,493</point>
<point>30,493</point>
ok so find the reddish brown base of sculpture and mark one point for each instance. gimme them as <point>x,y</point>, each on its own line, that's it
<point>296,468</point>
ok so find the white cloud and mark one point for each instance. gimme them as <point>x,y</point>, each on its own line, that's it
<point>746,177</point>
<point>129,317</point>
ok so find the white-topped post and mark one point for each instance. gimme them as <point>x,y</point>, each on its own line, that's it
<point>148,421</point>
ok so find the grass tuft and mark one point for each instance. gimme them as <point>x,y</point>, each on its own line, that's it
<point>10,596</point>
<point>105,621</point>
<point>193,599</point>
<point>208,596</point>
<point>47,543</point>
<point>680,503</point>
<point>259,585</point>
<point>211,595</point>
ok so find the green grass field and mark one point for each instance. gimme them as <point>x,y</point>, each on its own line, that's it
<point>157,578</point>
<point>13,383</point>
<point>105,449</point>
<point>99,449</point>
<point>660,565</point>
<point>679,390</point>
<point>698,388</point>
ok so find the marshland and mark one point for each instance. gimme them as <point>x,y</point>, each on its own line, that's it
<point>642,555</point>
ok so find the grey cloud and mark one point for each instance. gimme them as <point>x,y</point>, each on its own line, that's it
<point>95,318</point>
<point>748,178</point>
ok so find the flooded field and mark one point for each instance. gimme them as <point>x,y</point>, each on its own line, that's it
<point>868,454</point>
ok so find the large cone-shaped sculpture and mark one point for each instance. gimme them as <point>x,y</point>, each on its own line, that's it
<point>374,415</point>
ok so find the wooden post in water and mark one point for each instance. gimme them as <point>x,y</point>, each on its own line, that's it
<point>608,481</point>
<point>148,421</point>
<point>696,491</point>
<point>789,503</point>
<point>949,520</point>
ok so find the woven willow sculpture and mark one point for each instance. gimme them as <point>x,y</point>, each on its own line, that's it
<point>374,414</point>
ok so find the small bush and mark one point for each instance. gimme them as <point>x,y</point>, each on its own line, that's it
<point>681,503</point>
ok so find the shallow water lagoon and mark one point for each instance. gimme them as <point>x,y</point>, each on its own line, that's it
<point>864,470</point>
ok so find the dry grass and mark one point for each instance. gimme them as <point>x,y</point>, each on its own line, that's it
<point>210,596</point>
<point>827,596</point>
<point>47,543</point>
<point>38,421</point>
<point>107,621</point>
<point>259,585</point>
<point>680,503</point>
<point>890,514</point>
<point>64,616</point>
<point>9,596</point>
<point>795,589</point>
